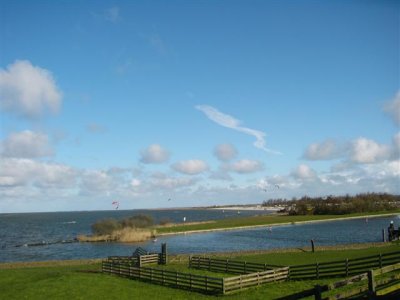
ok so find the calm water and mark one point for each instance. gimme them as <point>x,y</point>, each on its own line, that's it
<point>19,229</point>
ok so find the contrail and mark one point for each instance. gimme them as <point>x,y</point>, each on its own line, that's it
<point>230,122</point>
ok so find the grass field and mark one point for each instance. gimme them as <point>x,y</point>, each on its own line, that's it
<point>266,220</point>
<point>82,280</point>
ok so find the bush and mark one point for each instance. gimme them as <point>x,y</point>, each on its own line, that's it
<point>106,226</point>
<point>165,221</point>
<point>138,221</point>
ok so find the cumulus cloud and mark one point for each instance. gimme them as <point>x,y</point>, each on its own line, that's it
<point>392,108</point>
<point>304,172</point>
<point>326,150</point>
<point>28,90</point>
<point>225,152</point>
<point>190,167</point>
<point>154,154</point>
<point>368,151</point>
<point>94,181</point>
<point>26,144</point>
<point>172,183</point>
<point>230,122</point>
<point>246,166</point>
<point>22,172</point>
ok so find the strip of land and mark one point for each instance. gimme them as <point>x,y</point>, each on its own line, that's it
<point>261,221</point>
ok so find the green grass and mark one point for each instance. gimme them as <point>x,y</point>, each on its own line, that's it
<point>258,220</point>
<point>79,282</point>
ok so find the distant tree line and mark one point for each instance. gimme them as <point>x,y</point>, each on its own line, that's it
<point>337,205</point>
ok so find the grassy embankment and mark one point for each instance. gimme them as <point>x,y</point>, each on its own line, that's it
<point>266,220</point>
<point>80,280</point>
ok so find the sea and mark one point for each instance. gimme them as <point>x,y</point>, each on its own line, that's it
<point>50,236</point>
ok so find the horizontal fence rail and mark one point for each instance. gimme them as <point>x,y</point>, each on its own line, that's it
<point>371,286</point>
<point>227,266</point>
<point>232,284</point>
<point>343,268</point>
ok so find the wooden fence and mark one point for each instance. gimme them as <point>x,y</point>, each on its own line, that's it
<point>343,268</point>
<point>372,286</point>
<point>228,266</point>
<point>232,284</point>
<point>204,284</point>
<point>140,260</point>
<point>149,259</point>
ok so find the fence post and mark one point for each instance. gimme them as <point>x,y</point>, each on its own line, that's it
<point>371,284</point>
<point>380,261</point>
<point>312,246</point>
<point>347,267</point>
<point>164,253</point>
<point>383,236</point>
<point>317,290</point>
<point>226,267</point>
<point>244,267</point>
<point>223,286</point>
<point>317,270</point>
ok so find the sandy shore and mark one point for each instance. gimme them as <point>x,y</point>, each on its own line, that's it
<point>276,224</point>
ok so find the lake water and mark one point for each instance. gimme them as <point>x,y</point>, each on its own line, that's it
<point>20,229</point>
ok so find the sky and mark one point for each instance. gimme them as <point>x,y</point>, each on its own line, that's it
<point>194,103</point>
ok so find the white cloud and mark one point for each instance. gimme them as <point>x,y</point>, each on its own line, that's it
<point>135,182</point>
<point>95,128</point>
<point>26,144</point>
<point>24,172</point>
<point>246,166</point>
<point>225,152</point>
<point>94,181</point>
<point>112,14</point>
<point>28,90</point>
<point>392,108</point>
<point>230,122</point>
<point>326,150</point>
<point>190,167</point>
<point>304,172</point>
<point>154,154</point>
<point>368,151</point>
<point>172,183</point>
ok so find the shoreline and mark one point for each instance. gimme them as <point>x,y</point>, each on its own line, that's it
<point>275,224</point>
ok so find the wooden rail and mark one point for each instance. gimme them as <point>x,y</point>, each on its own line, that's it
<point>204,284</point>
<point>232,284</point>
<point>372,287</point>
<point>343,268</point>
<point>149,259</point>
<point>228,266</point>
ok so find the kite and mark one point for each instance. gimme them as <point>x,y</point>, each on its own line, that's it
<point>115,204</point>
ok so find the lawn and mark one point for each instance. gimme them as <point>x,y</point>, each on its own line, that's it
<point>82,281</point>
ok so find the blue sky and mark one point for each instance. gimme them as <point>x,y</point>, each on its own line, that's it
<point>200,102</point>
